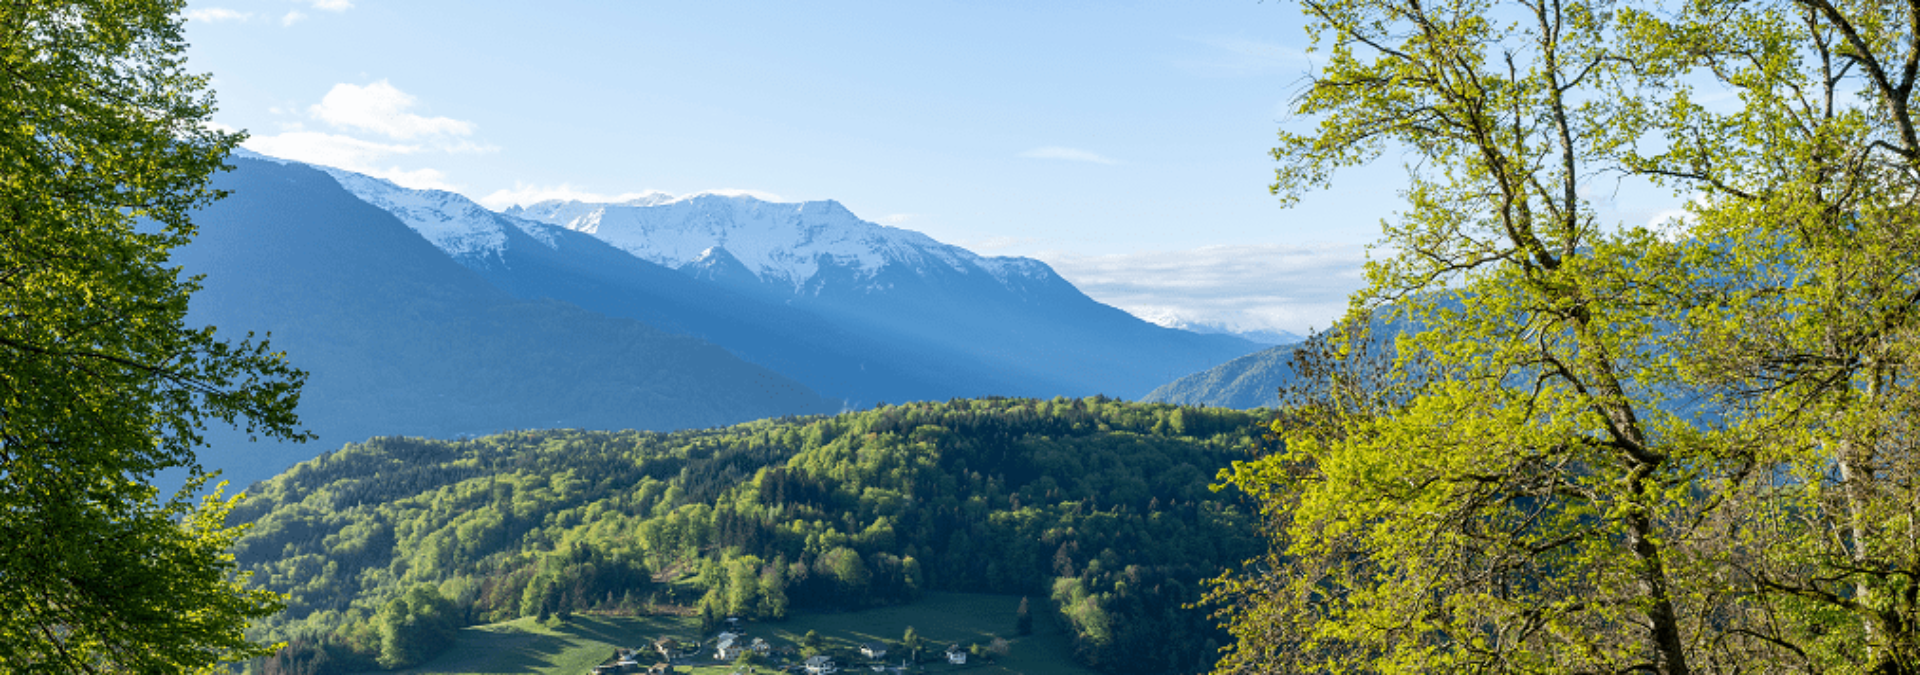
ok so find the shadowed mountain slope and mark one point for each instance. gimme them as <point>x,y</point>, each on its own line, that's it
<point>402,340</point>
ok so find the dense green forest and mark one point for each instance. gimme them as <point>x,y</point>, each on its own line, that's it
<point>1104,506</point>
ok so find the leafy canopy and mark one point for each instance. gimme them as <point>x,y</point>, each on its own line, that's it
<point>1605,447</point>
<point>104,152</point>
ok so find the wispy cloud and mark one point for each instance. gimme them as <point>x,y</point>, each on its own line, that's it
<point>333,5</point>
<point>293,17</point>
<point>995,243</point>
<point>1068,154</point>
<point>213,14</point>
<point>336,150</point>
<point>352,154</point>
<point>523,194</point>
<point>1289,288</point>
<point>383,109</point>
<point>1240,57</point>
<point>761,195</point>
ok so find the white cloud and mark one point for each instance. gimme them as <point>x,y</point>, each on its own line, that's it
<point>333,5</point>
<point>523,194</point>
<point>382,108</point>
<point>1675,224</point>
<point>352,154</point>
<point>996,243</point>
<point>1289,288</point>
<point>293,17</point>
<point>730,192</point>
<point>334,150</point>
<point>1068,154</point>
<point>419,179</point>
<point>212,14</point>
<point>526,195</point>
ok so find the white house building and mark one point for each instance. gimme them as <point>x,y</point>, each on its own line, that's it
<point>727,647</point>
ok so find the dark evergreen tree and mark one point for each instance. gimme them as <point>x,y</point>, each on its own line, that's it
<point>1023,619</point>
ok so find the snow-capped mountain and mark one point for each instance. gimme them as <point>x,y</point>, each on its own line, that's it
<point>1012,313</point>
<point>451,222</point>
<point>781,244</point>
<point>853,309</point>
<point>401,338</point>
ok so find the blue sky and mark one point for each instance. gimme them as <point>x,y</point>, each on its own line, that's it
<point>1125,143</point>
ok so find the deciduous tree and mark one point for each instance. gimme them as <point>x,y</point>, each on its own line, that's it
<point>105,150</point>
<point>1601,446</point>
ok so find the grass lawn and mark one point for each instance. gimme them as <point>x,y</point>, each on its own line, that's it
<point>525,646</point>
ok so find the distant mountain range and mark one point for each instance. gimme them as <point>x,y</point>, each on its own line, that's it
<point>399,339</point>
<point>1009,320</point>
<point>1264,336</point>
<point>420,312</point>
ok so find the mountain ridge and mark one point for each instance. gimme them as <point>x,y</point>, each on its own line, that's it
<point>936,320</point>
<point>400,339</point>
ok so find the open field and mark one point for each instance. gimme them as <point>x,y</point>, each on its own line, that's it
<point>525,646</point>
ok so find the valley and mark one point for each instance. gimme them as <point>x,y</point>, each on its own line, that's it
<point>421,313</point>
<point>941,619</point>
<point>1097,510</point>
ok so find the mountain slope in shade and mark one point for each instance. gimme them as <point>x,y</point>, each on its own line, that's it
<point>715,299</point>
<point>1254,380</point>
<point>1251,381</point>
<point>401,340</point>
<point>1015,315</point>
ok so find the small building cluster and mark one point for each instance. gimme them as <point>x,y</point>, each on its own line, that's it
<point>732,643</point>
<point>729,645</point>
<point>626,661</point>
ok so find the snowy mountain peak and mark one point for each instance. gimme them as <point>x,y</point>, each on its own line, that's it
<point>1166,317</point>
<point>711,253</point>
<point>781,243</point>
<point>451,222</point>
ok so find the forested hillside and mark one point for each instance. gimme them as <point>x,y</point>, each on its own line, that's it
<point>1102,505</point>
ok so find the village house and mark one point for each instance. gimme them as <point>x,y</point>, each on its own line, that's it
<point>956,655</point>
<point>623,662</point>
<point>728,646</point>
<point>873,651</point>
<point>666,646</point>
<point>820,665</point>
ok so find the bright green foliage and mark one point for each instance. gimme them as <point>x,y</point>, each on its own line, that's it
<point>1805,313</point>
<point>911,643</point>
<point>768,518</point>
<point>414,627</point>
<point>103,154</point>
<point>1605,448</point>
